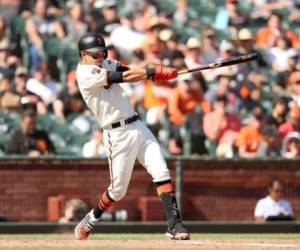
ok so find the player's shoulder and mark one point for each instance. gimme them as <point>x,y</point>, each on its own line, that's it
<point>88,68</point>
<point>84,71</point>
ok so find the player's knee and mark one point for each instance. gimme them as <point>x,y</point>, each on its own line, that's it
<point>118,194</point>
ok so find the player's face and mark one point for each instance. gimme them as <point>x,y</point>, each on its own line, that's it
<point>94,58</point>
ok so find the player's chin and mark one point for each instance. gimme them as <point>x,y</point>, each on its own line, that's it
<point>99,61</point>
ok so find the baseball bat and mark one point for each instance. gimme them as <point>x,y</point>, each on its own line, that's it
<point>223,63</point>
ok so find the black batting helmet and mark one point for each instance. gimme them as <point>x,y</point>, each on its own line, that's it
<point>92,43</point>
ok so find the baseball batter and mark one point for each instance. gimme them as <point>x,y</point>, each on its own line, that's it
<point>126,138</point>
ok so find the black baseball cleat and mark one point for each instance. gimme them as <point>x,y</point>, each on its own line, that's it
<point>179,232</point>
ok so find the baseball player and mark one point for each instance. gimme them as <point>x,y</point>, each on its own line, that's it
<point>126,138</point>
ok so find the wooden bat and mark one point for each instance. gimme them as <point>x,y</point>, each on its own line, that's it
<point>223,63</point>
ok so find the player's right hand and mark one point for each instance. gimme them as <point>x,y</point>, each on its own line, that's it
<point>164,73</point>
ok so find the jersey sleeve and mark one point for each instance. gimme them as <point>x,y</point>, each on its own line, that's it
<point>92,79</point>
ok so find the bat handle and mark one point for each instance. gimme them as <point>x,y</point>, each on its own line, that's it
<point>183,71</point>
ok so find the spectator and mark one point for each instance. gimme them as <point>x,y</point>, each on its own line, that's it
<point>250,136</point>
<point>264,8</point>
<point>39,27</point>
<point>274,207</point>
<point>184,100</point>
<point>27,98</point>
<point>294,86</point>
<point>193,52</point>
<point>266,36</point>
<point>4,41</point>
<point>9,9</point>
<point>250,90</point>
<point>210,51</point>
<point>109,18</point>
<point>278,56</point>
<point>75,209</point>
<point>292,123</point>
<point>155,103</point>
<point>95,147</point>
<point>183,15</point>
<point>245,42</point>
<point>226,79</point>
<point>69,100</point>
<point>125,37</point>
<point>293,60</point>
<point>152,45</point>
<point>295,15</point>
<point>172,43</point>
<point>8,100</point>
<point>29,140</point>
<point>8,60</point>
<point>279,112</point>
<point>270,143</point>
<point>221,128</point>
<point>74,23</point>
<point>291,145</point>
<point>41,85</point>
<point>231,17</point>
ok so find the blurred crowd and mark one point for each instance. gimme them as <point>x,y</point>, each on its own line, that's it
<point>247,110</point>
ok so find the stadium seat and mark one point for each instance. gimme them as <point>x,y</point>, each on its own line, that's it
<point>61,128</point>
<point>46,122</point>
<point>18,39</point>
<point>58,142</point>
<point>68,59</point>
<point>53,50</point>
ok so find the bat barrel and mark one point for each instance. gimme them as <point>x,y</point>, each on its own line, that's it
<point>223,63</point>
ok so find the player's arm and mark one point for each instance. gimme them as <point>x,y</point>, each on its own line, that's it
<point>157,73</point>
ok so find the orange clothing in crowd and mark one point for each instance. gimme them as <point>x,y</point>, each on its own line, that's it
<point>150,98</point>
<point>180,105</point>
<point>250,138</point>
<point>265,36</point>
<point>221,128</point>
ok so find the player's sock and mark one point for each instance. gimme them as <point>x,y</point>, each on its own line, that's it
<point>164,187</point>
<point>165,191</point>
<point>104,203</point>
<point>97,212</point>
<point>171,210</point>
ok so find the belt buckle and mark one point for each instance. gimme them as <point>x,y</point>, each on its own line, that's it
<point>109,127</point>
<point>122,123</point>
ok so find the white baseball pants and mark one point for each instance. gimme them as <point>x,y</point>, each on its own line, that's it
<point>126,144</point>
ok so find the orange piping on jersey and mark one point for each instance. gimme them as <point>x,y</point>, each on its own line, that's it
<point>110,162</point>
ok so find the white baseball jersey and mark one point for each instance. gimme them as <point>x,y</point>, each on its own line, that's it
<point>268,207</point>
<point>126,143</point>
<point>108,105</point>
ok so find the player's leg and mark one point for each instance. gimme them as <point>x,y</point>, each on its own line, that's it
<point>122,151</point>
<point>150,156</point>
<point>176,228</point>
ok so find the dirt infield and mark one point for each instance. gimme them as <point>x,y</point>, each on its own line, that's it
<point>155,244</point>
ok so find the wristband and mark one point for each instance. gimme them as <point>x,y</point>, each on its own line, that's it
<point>122,68</point>
<point>114,77</point>
<point>150,72</point>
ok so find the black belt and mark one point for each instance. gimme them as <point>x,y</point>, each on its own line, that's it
<point>127,121</point>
